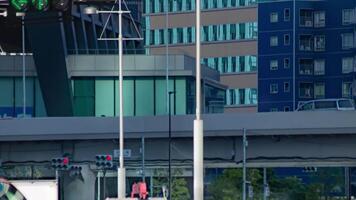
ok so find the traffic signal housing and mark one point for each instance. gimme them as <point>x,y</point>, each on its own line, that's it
<point>60,163</point>
<point>75,170</point>
<point>104,161</point>
<point>41,5</point>
<point>310,169</point>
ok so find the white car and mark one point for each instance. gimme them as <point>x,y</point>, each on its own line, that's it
<point>327,104</point>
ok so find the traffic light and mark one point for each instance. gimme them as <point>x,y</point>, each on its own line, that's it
<point>60,163</point>
<point>104,161</point>
<point>41,5</point>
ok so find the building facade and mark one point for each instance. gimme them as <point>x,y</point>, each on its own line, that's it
<point>94,85</point>
<point>306,51</point>
<point>228,36</point>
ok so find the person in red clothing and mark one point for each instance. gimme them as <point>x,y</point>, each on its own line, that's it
<point>135,190</point>
<point>143,190</point>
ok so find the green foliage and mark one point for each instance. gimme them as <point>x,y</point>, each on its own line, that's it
<point>180,189</point>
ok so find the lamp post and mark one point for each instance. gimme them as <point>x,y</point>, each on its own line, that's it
<point>22,15</point>
<point>121,173</point>
<point>198,140</point>
<point>169,146</point>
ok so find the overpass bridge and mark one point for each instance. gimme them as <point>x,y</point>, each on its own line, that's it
<point>289,139</point>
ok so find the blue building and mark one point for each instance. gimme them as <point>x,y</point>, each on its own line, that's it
<point>306,51</point>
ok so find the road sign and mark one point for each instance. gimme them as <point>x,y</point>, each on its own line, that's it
<point>127,153</point>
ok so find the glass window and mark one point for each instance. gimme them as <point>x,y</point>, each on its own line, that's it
<point>305,42</point>
<point>319,19</point>
<point>179,35</point>
<point>161,95</point>
<point>286,87</point>
<point>305,90</point>
<point>84,97</point>
<point>319,90</point>
<point>273,110</point>
<point>7,97</point>
<point>319,67</point>
<point>286,39</point>
<point>325,105</point>
<point>306,17</point>
<point>286,63</point>
<point>104,97</point>
<point>273,88</point>
<point>347,65</point>
<point>273,65</point>
<point>152,37</point>
<point>242,96</point>
<point>347,40</point>
<point>170,36</point>
<point>346,89</point>
<point>319,43</point>
<point>345,104</point>
<point>233,31</point>
<point>306,67</point>
<point>286,108</point>
<point>181,96</point>
<point>242,31</point>
<point>144,97</point>
<point>273,17</point>
<point>161,36</point>
<point>286,14</point>
<point>348,15</point>
<point>40,110</point>
<point>273,41</point>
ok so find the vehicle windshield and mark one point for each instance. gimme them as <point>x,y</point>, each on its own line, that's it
<point>325,104</point>
<point>307,106</point>
<point>345,104</point>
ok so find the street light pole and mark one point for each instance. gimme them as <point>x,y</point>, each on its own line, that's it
<point>121,173</point>
<point>23,66</point>
<point>121,170</point>
<point>169,148</point>
<point>198,140</point>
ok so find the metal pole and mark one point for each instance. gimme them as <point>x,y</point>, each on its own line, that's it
<point>143,159</point>
<point>98,186</point>
<point>58,185</point>
<point>167,61</point>
<point>244,144</point>
<point>169,149</point>
<point>198,123</point>
<point>23,67</point>
<point>121,170</point>
<point>265,184</point>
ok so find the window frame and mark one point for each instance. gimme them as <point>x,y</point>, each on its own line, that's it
<point>272,19</point>
<point>271,39</point>
<point>272,89</point>
<point>286,19</point>
<point>273,67</point>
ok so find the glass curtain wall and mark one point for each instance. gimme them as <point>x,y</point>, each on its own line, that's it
<point>143,96</point>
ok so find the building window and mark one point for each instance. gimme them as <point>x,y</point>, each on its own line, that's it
<point>286,14</point>
<point>347,65</point>
<point>273,41</point>
<point>319,90</point>
<point>347,40</point>
<point>319,43</point>
<point>273,65</point>
<point>346,89</point>
<point>319,19</point>
<point>305,90</point>
<point>319,67</point>
<point>348,15</point>
<point>273,88</point>
<point>305,42</point>
<point>286,63</point>
<point>286,108</point>
<point>305,66</point>
<point>245,96</point>
<point>286,87</point>
<point>274,17</point>
<point>274,110</point>
<point>286,39</point>
<point>306,18</point>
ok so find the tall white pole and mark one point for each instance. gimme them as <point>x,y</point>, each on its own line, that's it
<point>23,68</point>
<point>198,123</point>
<point>121,170</point>
<point>294,52</point>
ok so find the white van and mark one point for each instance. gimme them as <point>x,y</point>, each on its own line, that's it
<point>327,104</point>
